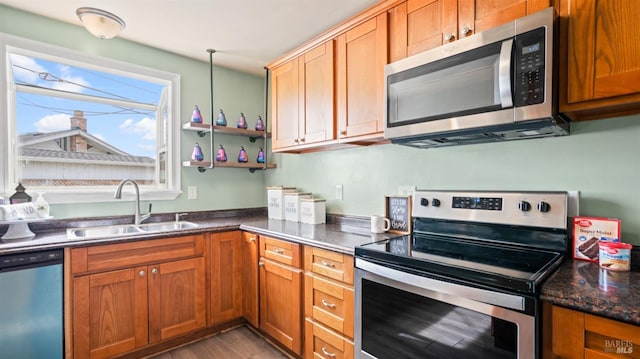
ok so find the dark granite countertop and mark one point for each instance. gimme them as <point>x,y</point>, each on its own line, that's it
<point>342,234</point>
<point>586,287</point>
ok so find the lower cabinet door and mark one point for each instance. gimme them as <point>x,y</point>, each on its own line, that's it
<point>321,342</point>
<point>110,313</point>
<point>280,303</point>
<point>176,298</point>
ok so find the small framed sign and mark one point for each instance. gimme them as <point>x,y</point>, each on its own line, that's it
<point>398,210</point>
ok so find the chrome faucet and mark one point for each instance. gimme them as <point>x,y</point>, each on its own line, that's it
<point>137,217</point>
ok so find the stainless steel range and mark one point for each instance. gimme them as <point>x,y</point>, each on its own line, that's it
<point>466,282</point>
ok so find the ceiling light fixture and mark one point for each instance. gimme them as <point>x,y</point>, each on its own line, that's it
<point>100,23</point>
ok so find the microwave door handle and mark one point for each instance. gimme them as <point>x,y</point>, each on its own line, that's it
<point>504,73</point>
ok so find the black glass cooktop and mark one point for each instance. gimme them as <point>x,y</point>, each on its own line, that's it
<point>487,264</point>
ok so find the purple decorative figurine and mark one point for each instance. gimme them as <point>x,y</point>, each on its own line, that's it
<point>196,116</point>
<point>242,156</point>
<point>259,124</point>
<point>260,156</point>
<point>242,122</point>
<point>222,119</point>
<point>197,153</point>
<point>221,156</point>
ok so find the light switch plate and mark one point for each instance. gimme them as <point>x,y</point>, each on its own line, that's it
<point>338,191</point>
<point>192,192</point>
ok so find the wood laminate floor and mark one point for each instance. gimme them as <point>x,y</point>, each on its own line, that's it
<point>237,343</point>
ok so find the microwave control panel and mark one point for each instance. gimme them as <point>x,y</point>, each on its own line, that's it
<point>529,68</point>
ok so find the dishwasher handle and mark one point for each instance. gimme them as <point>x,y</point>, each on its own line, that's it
<point>11,262</point>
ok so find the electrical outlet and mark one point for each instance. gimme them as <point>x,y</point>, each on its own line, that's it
<point>338,191</point>
<point>407,190</point>
<point>192,192</point>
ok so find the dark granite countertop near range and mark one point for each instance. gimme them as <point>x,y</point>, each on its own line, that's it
<point>586,287</point>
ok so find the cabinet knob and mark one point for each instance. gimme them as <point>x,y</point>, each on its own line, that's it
<point>141,273</point>
<point>449,37</point>
<point>260,264</point>
<point>296,140</point>
<point>344,133</point>
<point>302,139</point>
<point>154,271</point>
<point>466,30</point>
<point>325,352</point>
<point>252,239</point>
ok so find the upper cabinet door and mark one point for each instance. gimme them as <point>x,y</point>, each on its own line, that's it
<point>361,57</point>
<point>603,49</point>
<point>316,94</point>
<point>285,100</point>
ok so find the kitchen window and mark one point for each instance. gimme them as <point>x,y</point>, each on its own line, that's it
<point>78,124</point>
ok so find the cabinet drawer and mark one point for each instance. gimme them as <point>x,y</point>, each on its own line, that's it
<point>329,303</point>
<point>284,252</point>
<point>330,264</point>
<point>607,338</point>
<point>321,342</point>
<point>120,255</point>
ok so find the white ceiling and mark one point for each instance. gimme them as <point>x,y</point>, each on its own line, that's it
<point>246,34</point>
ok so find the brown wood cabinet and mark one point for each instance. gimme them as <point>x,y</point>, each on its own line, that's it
<point>126,296</point>
<point>328,304</point>
<point>225,266</point>
<point>361,54</point>
<point>303,99</point>
<point>250,289</point>
<point>571,334</point>
<point>601,75</point>
<point>280,292</point>
<point>419,25</point>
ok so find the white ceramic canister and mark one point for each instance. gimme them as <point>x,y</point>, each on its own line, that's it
<point>275,201</point>
<point>313,210</point>
<point>292,205</point>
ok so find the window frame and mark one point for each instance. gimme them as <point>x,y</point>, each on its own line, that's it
<point>86,194</point>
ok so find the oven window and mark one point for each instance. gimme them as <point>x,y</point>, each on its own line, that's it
<point>399,324</point>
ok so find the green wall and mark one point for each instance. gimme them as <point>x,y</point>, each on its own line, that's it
<point>234,91</point>
<point>601,159</point>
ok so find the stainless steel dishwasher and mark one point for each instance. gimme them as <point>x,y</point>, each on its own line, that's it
<point>31,312</point>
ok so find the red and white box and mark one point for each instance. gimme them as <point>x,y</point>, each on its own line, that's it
<point>589,231</point>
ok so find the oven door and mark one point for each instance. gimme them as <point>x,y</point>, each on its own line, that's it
<point>403,315</point>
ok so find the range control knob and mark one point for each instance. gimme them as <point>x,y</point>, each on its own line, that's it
<point>424,202</point>
<point>435,202</point>
<point>544,207</point>
<point>524,206</point>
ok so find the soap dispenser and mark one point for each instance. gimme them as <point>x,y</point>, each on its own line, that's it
<point>42,206</point>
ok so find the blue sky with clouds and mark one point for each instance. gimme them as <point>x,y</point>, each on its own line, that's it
<point>131,131</point>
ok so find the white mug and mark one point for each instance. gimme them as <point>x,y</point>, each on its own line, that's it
<point>380,224</point>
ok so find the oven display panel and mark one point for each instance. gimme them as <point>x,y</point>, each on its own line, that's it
<point>483,203</point>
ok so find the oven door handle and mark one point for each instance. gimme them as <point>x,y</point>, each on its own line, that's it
<point>481,295</point>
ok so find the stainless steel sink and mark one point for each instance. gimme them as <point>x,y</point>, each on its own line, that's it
<point>127,229</point>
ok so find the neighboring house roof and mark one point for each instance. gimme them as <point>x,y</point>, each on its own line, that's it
<point>41,139</point>
<point>84,156</point>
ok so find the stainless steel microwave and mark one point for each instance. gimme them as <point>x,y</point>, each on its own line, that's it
<point>496,85</point>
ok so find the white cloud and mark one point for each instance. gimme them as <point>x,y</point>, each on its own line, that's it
<point>51,123</point>
<point>21,62</point>
<point>145,127</point>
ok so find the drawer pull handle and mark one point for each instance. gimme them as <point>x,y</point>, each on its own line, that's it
<point>279,251</point>
<point>325,352</point>
<point>327,304</point>
<point>327,264</point>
